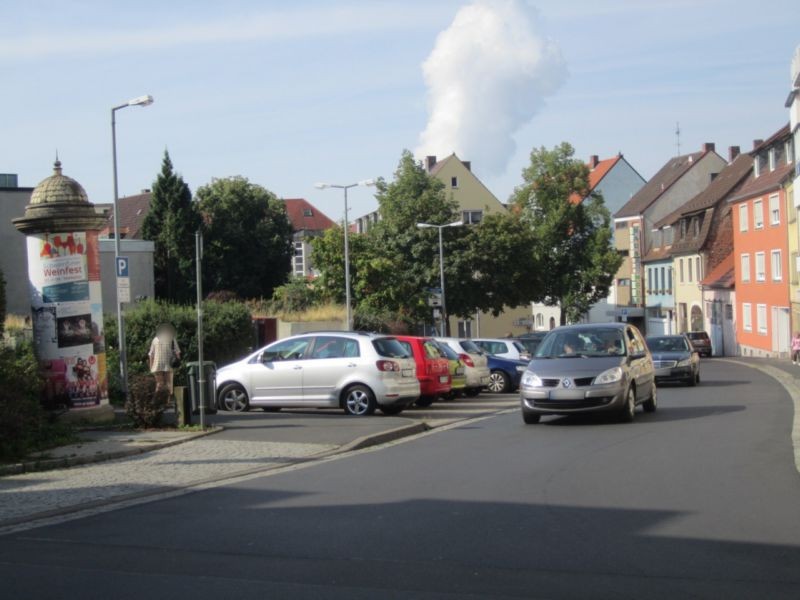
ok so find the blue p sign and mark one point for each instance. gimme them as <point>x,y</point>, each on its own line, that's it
<point>122,266</point>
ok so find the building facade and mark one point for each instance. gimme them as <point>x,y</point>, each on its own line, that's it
<point>307,223</point>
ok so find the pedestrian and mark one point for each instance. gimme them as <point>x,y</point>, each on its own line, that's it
<point>796,348</point>
<point>164,355</point>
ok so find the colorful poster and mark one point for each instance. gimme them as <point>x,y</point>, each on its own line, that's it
<point>67,310</point>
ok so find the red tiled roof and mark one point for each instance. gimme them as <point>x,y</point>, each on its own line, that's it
<point>132,212</point>
<point>297,209</point>
<point>596,175</point>
<point>723,276</point>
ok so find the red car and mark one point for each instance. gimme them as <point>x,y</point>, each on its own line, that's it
<point>433,369</point>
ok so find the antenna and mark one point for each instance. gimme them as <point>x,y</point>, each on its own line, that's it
<point>678,137</point>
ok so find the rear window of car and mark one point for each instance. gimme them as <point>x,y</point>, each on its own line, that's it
<point>391,348</point>
<point>698,335</point>
<point>447,351</point>
<point>431,350</point>
<point>470,347</point>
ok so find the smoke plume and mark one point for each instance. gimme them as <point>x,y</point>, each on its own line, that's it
<point>487,76</point>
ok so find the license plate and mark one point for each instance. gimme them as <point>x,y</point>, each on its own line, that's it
<point>459,371</point>
<point>443,378</point>
<point>408,372</point>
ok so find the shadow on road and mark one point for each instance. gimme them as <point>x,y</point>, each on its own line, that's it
<point>671,413</point>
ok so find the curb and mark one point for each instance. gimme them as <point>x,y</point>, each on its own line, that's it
<point>792,388</point>
<point>49,464</point>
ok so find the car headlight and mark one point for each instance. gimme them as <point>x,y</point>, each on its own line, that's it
<point>685,362</point>
<point>610,376</point>
<point>531,380</point>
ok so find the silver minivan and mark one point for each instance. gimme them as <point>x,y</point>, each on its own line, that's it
<point>357,372</point>
<point>589,368</point>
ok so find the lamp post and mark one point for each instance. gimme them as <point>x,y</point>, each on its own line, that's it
<point>445,323</point>
<point>322,186</point>
<point>123,361</point>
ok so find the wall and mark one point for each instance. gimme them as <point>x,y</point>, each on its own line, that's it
<point>13,258</point>
<point>619,185</point>
<point>688,291</point>
<point>289,328</point>
<point>470,194</point>
<point>720,328</point>
<point>140,255</point>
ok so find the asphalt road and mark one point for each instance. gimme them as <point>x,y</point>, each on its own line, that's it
<point>701,499</point>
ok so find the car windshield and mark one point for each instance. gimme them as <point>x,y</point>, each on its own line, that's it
<point>470,347</point>
<point>390,348</point>
<point>673,343</point>
<point>447,351</point>
<point>578,342</point>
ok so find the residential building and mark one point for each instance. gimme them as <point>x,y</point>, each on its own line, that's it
<point>703,234</point>
<point>719,299</point>
<point>14,257</point>
<point>679,180</point>
<point>793,195</point>
<point>307,223</point>
<point>616,181</point>
<point>761,249</point>
<point>132,212</point>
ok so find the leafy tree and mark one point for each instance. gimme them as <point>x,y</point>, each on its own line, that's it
<point>572,231</point>
<point>247,238</point>
<point>171,223</point>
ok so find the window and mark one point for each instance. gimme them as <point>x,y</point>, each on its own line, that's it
<point>745,267</point>
<point>698,274</point>
<point>680,271</point>
<point>657,235</point>
<point>774,210</point>
<point>465,329</point>
<point>793,268</point>
<point>729,312</point>
<point>669,280</point>
<point>663,282</point>
<point>744,225</point>
<point>683,228</point>
<point>334,347</point>
<point>758,214</point>
<point>291,349</point>
<point>777,265</point>
<point>756,165</point>
<point>307,212</point>
<point>761,268</point>
<point>747,316</point>
<point>454,182</point>
<point>471,217</point>
<point>668,235</point>
<point>298,262</point>
<point>771,156</point>
<point>688,269</point>
<point>761,318</point>
<point>788,152</point>
<point>695,226</point>
<point>649,280</point>
<point>624,282</point>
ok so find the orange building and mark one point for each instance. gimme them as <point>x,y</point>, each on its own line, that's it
<point>761,250</point>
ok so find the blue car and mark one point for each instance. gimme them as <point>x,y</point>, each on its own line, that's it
<point>504,373</point>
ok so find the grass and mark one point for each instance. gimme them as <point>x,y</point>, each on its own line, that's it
<point>323,312</point>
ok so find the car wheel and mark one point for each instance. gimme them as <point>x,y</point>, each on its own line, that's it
<point>472,392</point>
<point>272,409</point>
<point>392,410</point>
<point>498,382</point>
<point>425,401</point>
<point>629,410</point>
<point>651,404</point>
<point>233,398</point>
<point>530,418</point>
<point>359,401</point>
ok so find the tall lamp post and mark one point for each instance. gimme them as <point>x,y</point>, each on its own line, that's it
<point>445,323</point>
<point>322,186</point>
<point>123,360</point>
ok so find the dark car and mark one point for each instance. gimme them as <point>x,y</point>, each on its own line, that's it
<point>701,342</point>
<point>674,359</point>
<point>531,340</point>
<point>504,373</point>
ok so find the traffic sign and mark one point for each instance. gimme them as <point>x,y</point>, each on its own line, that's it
<point>123,289</point>
<point>122,266</point>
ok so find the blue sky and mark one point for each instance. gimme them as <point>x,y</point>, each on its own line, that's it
<point>288,94</point>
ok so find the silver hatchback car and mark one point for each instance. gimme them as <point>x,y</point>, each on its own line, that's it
<point>357,372</point>
<point>586,368</point>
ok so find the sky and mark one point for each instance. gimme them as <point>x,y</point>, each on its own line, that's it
<point>288,94</point>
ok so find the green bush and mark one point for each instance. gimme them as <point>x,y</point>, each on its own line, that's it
<point>295,296</point>
<point>227,327</point>
<point>24,425</point>
<point>381,321</point>
<point>145,406</point>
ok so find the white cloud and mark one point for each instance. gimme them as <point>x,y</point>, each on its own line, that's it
<point>487,76</point>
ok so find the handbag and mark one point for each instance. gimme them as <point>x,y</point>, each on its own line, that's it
<point>176,361</point>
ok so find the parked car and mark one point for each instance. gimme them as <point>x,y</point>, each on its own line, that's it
<point>433,369</point>
<point>505,374</point>
<point>458,373</point>
<point>531,340</point>
<point>701,342</point>
<point>358,372</point>
<point>475,362</point>
<point>586,368</point>
<point>674,359</point>
<point>503,347</point>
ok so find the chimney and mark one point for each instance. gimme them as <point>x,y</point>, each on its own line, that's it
<point>467,164</point>
<point>709,147</point>
<point>593,161</point>
<point>733,152</point>
<point>757,143</point>
<point>429,162</point>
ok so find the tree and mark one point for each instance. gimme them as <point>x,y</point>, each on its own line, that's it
<point>171,223</point>
<point>247,238</point>
<point>572,229</point>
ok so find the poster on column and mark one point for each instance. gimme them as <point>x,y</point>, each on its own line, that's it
<point>63,269</point>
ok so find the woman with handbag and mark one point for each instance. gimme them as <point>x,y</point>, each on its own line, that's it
<point>164,355</point>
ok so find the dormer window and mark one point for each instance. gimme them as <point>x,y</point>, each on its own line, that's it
<point>695,226</point>
<point>756,165</point>
<point>788,151</point>
<point>668,233</point>
<point>307,212</point>
<point>771,155</point>
<point>683,229</point>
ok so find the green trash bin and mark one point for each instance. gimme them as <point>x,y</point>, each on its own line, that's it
<point>210,399</point>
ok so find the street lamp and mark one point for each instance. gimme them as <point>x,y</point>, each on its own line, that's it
<point>322,186</point>
<point>446,325</point>
<point>123,362</point>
